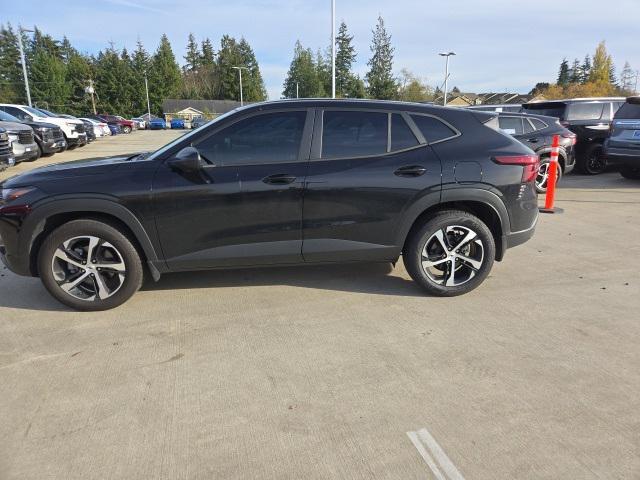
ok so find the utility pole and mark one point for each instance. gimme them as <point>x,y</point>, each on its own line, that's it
<point>635,89</point>
<point>333,48</point>
<point>91,91</point>
<point>146,87</point>
<point>446,74</point>
<point>24,63</point>
<point>297,90</point>
<point>240,75</point>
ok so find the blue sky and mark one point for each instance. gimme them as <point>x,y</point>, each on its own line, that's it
<point>501,44</point>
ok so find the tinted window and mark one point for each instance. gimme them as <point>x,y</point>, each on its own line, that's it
<point>353,134</point>
<point>401,134</point>
<point>538,124</point>
<point>432,128</point>
<point>511,125</point>
<point>16,112</point>
<point>629,110</point>
<point>528,128</point>
<point>268,138</point>
<point>586,111</point>
<point>549,109</point>
<point>5,117</point>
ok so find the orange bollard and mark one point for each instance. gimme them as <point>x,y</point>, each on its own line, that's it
<point>552,175</point>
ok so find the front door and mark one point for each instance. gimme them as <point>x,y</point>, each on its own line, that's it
<point>245,205</point>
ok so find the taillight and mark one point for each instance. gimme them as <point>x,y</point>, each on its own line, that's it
<point>572,136</point>
<point>531,164</point>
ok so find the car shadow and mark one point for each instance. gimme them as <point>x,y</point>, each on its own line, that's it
<point>359,278</point>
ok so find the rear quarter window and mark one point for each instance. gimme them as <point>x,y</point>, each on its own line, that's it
<point>433,129</point>
<point>628,111</point>
<point>538,124</point>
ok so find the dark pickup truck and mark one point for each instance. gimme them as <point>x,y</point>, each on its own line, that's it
<point>6,153</point>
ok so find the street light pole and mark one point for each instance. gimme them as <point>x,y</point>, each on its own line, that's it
<point>297,90</point>
<point>24,63</point>
<point>240,75</point>
<point>446,74</point>
<point>146,87</point>
<point>333,48</point>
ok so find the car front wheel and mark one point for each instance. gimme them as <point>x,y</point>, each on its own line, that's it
<point>126,129</point>
<point>451,254</point>
<point>89,265</point>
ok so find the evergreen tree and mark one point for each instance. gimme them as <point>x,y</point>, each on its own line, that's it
<point>576,74</point>
<point>586,69</point>
<point>79,72</point>
<point>12,88</point>
<point>193,56</point>
<point>323,67</point>
<point>48,73</point>
<point>164,76</point>
<point>228,57</point>
<point>253,88</point>
<point>140,62</point>
<point>381,83</point>
<point>207,53</point>
<point>346,82</point>
<point>303,73</point>
<point>108,84</point>
<point>563,73</point>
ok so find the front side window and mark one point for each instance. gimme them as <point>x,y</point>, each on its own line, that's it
<point>586,111</point>
<point>432,129</point>
<point>511,125</point>
<point>354,134</point>
<point>16,112</point>
<point>266,138</point>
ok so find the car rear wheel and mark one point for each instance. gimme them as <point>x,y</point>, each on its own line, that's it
<point>632,173</point>
<point>89,265</point>
<point>543,175</point>
<point>593,161</point>
<point>451,254</point>
<point>126,129</point>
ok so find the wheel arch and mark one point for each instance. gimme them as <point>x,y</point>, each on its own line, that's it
<point>46,217</point>
<point>478,202</point>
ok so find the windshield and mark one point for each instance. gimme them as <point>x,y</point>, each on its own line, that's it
<point>36,112</point>
<point>5,117</point>
<point>170,145</point>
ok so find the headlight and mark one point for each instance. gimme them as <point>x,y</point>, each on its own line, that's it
<point>10,194</point>
<point>44,129</point>
<point>71,125</point>
<point>13,138</point>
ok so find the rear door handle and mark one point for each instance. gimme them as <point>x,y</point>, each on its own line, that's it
<point>279,179</point>
<point>533,140</point>
<point>410,171</point>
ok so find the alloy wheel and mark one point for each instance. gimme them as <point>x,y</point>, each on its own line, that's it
<point>452,256</point>
<point>596,162</point>
<point>88,268</point>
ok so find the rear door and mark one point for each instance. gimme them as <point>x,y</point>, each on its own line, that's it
<point>366,168</point>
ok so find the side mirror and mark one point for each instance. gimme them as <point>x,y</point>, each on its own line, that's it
<point>186,160</point>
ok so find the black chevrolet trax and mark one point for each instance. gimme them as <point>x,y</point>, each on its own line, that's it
<point>280,183</point>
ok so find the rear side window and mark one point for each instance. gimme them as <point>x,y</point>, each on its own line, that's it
<point>528,128</point>
<point>629,111</point>
<point>586,111</point>
<point>538,124</point>
<point>433,129</point>
<point>401,135</point>
<point>354,133</point>
<point>511,125</point>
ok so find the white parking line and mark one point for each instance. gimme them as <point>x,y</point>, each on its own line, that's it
<point>433,455</point>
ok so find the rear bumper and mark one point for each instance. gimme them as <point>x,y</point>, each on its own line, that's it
<point>623,156</point>
<point>513,239</point>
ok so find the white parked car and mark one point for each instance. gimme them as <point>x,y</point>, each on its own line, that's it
<point>101,129</point>
<point>73,129</point>
<point>140,121</point>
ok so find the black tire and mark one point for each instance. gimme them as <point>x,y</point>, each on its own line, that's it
<point>632,173</point>
<point>123,246</point>
<point>592,161</point>
<point>421,237</point>
<point>541,185</point>
<point>126,129</point>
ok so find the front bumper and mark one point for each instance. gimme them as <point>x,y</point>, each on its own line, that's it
<point>81,139</point>
<point>52,145</point>
<point>23,152</point>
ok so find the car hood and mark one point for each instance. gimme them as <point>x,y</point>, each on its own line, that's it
<point>40,124</point>
<point>14,127</point>
<point>76,168</point>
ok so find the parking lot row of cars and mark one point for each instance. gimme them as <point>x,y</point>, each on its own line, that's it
<point>595,133</point>
<point>28,133</point>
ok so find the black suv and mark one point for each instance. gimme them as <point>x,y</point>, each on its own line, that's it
<point>48,137</point>
<point>536,132</point>
<point>279,183</point>
<point>6,152</point>
<point>589,119</point>
<point>623,145</point>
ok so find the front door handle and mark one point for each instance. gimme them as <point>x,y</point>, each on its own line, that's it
<point>279,179</point>
<point>410,171</point>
